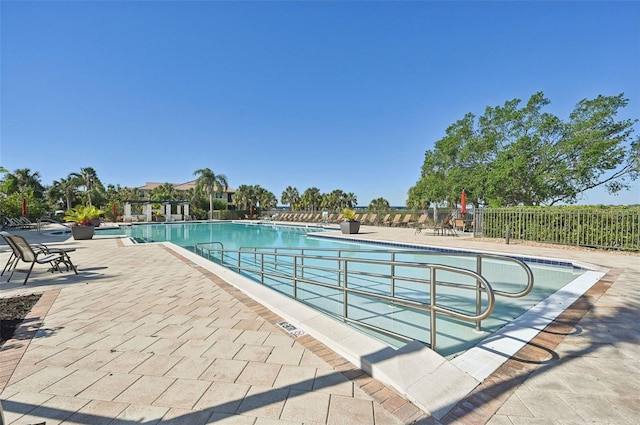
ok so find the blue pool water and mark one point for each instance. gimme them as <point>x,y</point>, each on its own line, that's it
<point>453,336</point>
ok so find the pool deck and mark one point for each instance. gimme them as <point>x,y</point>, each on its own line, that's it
<point>152,334</point>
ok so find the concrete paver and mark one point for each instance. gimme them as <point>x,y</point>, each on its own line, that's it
<point>142,335</point>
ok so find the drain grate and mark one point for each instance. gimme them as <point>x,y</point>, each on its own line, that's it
<point>291,330</point>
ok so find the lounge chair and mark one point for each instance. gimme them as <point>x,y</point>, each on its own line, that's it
<point>39,254</point>
<point>13,223</point>
<point>395,221</point>
<point>371,220</point>
<point>388,221</point>
<point>419,225</point>
<point>406,220</point>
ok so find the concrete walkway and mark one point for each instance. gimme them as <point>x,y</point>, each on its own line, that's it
<point>145,334</point>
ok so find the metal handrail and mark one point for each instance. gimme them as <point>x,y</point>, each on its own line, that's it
<point>195,247</point>
<point>394,253</point>
<point>275,263</point>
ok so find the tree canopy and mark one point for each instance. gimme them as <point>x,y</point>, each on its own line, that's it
<point>521,155</point>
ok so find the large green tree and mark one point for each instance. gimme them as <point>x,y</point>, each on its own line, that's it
<point>210,183</point>
<point>521,155</point>
<point>22,180</point>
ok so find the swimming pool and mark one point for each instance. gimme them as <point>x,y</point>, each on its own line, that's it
<point>453,337</point>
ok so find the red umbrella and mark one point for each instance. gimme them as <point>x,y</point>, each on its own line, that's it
<point>463,203</point>
<point>24,207</point>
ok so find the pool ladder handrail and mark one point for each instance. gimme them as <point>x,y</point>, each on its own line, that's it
<point>433,309</point>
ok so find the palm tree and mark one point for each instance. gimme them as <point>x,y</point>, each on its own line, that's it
<point>265,198</point>
<point>88,178</point>
<point>209,183</point>
<point>290,196</point>
<point>351,200</point>
<point>63,188</point>
<point>334,200</point>
<point>312,198</point>
<point>379,204</point>
<point>242,196</point>
<point>164,192</point>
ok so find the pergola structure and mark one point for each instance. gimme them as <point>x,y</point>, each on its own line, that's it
<point>147,209</point>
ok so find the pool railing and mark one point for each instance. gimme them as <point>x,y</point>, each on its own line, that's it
<point>360,291</point>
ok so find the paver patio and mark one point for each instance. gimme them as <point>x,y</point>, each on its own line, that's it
<point>144,335</point>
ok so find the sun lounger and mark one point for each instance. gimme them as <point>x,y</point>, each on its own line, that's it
<point>396,220</point>
<point>419,225</point>
<point>371,220</point>
<point>406,220</point>
<point>35,254</point>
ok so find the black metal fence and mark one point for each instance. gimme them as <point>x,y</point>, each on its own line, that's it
<point>615,228</point>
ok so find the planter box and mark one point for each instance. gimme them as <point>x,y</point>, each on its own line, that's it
<point>82,232</point>
<point>350,227</point>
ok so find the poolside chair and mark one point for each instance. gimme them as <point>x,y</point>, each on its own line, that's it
<point>386,219</point>
<point>38,248</point>
<point>395,221</point>
<point>26,223</point>
<point>12,223</point>
<point>419,225</point>
<point>445,227</point>
<point>371,220</point>
<point>406,220</point>
<point>26,253</point>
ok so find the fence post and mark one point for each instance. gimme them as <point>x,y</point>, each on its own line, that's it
<point>507,236</point>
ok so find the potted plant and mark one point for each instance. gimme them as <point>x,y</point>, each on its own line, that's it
<point>85,219</point>
<point>349,224</point>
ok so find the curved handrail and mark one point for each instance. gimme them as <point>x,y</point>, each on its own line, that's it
<point>479,259</point>
<point>295,262</point>
<point>528,288</point>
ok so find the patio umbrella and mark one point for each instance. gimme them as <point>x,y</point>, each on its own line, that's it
<point>463,203</point>
<point>24,207</point>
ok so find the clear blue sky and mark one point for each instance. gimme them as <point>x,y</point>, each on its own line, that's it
<point>334,95</point>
